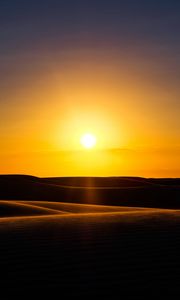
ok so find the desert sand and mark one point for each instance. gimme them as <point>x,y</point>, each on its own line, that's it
<point>81,250</point>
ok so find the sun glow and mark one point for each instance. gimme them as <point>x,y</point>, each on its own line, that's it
<point>88,140</point>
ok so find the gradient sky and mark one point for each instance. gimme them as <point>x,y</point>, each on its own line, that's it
<point>107,67</point>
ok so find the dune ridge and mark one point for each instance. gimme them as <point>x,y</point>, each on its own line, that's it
<point>120,191</point>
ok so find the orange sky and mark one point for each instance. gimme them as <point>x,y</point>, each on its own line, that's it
<point>119,100</point>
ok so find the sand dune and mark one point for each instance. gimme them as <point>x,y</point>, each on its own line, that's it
<point>120,191</point>
<point>40,208</point>
<point>117,236</point>
<point>78,249</point>
<point>79,208</point>
<point>14,208</point>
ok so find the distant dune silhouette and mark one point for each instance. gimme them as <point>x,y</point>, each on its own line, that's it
<point>123,191</point>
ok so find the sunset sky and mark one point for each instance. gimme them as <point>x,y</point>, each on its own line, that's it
<point>111,68</point>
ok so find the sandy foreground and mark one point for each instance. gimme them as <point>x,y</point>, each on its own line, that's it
<point>88,249</point>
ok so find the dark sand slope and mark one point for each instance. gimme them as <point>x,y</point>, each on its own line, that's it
<point>79,208</point>
<point>90,250</point>
<point>120,191</point>
<point>20,208</point>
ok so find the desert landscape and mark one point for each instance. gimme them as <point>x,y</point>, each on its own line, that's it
<point>89,149</point>
<point>74,247</point>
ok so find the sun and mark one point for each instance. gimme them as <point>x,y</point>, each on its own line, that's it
<point>88,140</point>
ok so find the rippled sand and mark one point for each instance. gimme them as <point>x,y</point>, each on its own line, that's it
<point>88,249</point>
